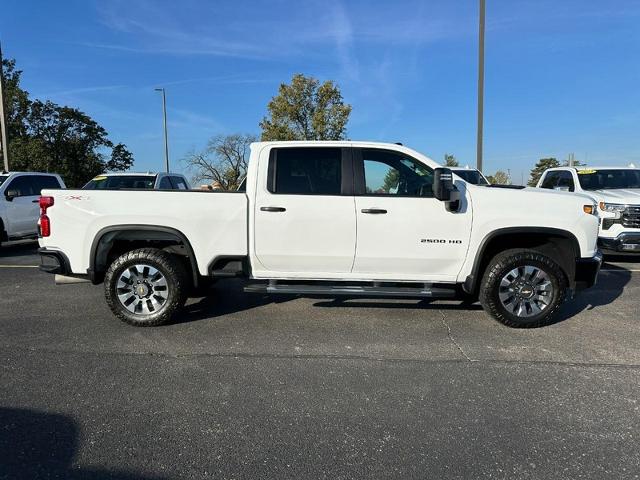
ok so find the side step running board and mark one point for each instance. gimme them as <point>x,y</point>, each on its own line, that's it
<point>425,291</point>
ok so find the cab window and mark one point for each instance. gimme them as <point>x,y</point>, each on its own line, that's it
<point>565,181</point>
<point>305,171</point>
<point>550,179</point>
<point>393,173</point>
<point>179,183</point>
<point>165,184</point>
<point>23,186</point>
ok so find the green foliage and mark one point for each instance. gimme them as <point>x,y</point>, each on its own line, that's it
<point>450,161</point>
<point>499,178</point>
<point>391,180</point>
<point>538,170</point>
<point>224,161</point>
<point>121,159</point>
<point>306,110</point>
<point>47,137</point>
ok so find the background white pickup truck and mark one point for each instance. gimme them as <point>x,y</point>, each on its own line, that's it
<point>328,218</point>
<point>616,191</point>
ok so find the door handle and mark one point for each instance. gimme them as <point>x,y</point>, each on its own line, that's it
<point>374,211</point>
<point>273,209</point>
<point>35,201</point>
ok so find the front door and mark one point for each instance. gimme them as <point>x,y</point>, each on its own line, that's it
<point>403,232</point>
<point>23,209</point>
<point>304,213</point>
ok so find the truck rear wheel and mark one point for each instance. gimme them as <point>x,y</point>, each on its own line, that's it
<point>523,288</point>
<point>145,287</point>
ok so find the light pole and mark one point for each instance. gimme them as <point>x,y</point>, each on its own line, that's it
<point>3,120</point>
<point>480,84</point>
<point>166,138</point>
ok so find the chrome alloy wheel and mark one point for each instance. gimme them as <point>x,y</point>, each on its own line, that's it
<point>526,291</point>
<point>142,289</point>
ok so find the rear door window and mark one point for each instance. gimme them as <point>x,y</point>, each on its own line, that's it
<point>306,171</point>
<point>44,181</point>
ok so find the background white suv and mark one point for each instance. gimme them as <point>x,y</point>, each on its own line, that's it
<point>616,190</point>
<point>19,197</point>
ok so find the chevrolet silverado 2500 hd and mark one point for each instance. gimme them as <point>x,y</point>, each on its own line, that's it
<point>328,218</point>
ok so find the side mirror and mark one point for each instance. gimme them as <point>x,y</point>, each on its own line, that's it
<point>443,184</point>
<point>11,194</point>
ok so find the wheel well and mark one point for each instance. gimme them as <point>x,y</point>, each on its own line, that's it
<point>109,244</point>
<point>562,247</point>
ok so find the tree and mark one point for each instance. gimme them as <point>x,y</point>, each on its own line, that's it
<point>47,137</point>
<point>450,161</point>
<point>306,110</point>
<point>499,178</point>
<point>224,160</point>
<point>121,158</point>
<point>538,170</point>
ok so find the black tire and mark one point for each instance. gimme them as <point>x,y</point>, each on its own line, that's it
<point>499,269</point>
<point>174,291</point>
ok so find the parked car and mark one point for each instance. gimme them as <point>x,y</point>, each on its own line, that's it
<point>470,175</point>
<point>19,194</point>
<point>328,218</point>
<point>616,190</point>
<point>144,181</point>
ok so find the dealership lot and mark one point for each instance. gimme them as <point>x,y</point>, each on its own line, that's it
<point>288,387</point>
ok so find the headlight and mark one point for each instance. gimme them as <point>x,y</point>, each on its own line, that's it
<point>612,207</point>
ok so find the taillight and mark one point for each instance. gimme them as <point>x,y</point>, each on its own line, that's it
<point>44,223</point>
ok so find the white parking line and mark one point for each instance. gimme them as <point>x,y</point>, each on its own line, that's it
<point>19,266</point>
<point>619,270</point>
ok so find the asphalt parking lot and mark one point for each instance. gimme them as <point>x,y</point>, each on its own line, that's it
<point>288,387</point>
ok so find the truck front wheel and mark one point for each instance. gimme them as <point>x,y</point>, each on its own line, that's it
<point>523,288</point>
<point>145,287</point>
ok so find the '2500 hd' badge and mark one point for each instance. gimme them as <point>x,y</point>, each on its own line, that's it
<point>440,241</point>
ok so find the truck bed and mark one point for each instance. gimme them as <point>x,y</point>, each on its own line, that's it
<point>214,222</point>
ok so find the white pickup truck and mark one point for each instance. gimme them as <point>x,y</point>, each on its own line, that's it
<point>616,191</point>
<point>328,218</point>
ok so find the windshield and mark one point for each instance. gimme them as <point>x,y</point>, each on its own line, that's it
<point>117,182</point>
<point>609,179</point>
<point>472,176</point>
<point>3,178</point>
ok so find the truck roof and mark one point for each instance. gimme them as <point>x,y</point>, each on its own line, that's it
<point>597,167</point>
<point>337,143</point>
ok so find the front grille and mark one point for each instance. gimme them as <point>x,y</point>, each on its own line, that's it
<point>631,216</point>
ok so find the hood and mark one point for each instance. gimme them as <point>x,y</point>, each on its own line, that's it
<point>629,196</point>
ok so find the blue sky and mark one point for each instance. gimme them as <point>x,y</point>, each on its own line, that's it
<point>561,76</point>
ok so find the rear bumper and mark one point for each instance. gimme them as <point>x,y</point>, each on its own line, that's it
<point>625,242</point>
<point>587,270</point>
<point>53,261</point>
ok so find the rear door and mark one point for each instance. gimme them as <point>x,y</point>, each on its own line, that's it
<point>304,212</point>
<point>404,233</point>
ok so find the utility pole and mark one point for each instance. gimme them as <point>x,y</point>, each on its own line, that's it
<point>166,137</point>
<point>480,84</point>
<point>3,120</point>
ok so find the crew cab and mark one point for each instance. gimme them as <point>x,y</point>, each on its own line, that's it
<point>144,181</point>
<point>19,195</point>
<point>616,191</point>
<point>328,218</point>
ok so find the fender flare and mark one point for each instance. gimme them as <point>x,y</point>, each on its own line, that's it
<point>166,233</point>
<point>471,282</point>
